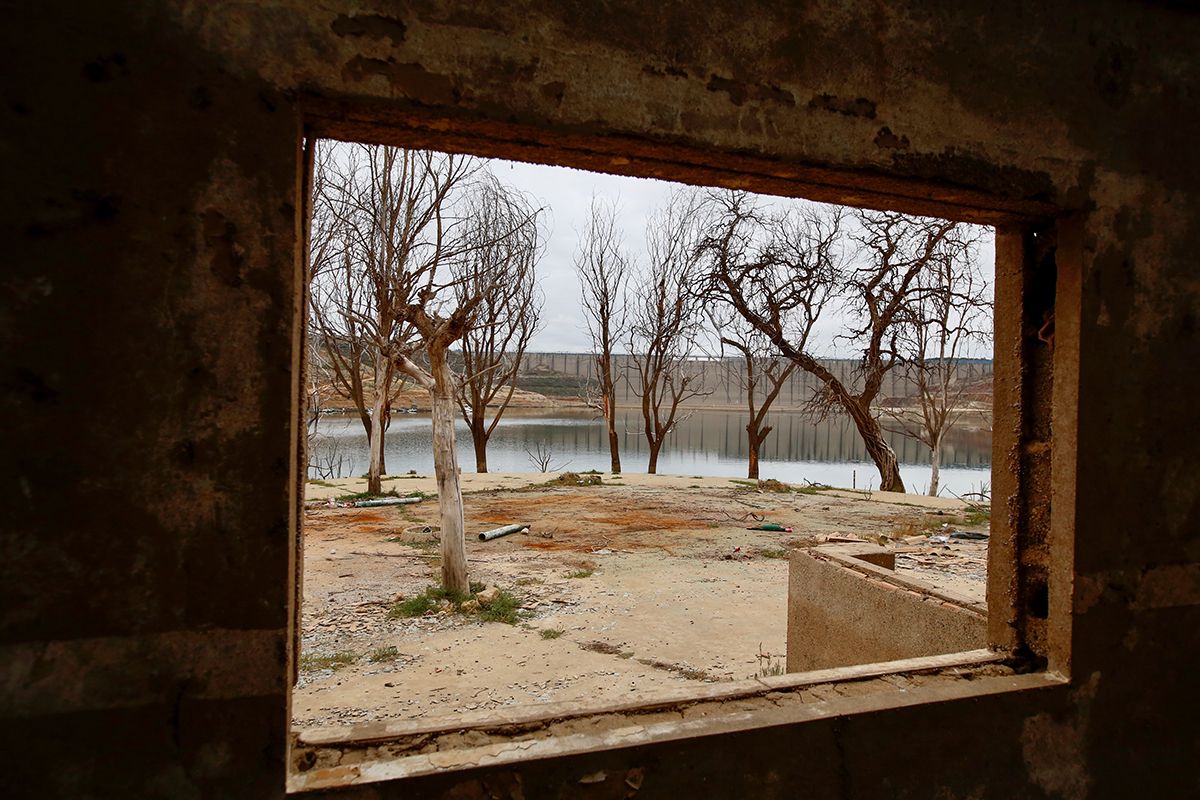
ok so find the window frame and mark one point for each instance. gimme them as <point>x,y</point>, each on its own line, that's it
<point>1035,391</point>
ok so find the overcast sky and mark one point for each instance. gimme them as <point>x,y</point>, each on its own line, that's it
<point>567,196</point>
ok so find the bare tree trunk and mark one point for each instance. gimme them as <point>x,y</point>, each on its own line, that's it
<point>385,412</point>
<point>652,469</point>
<point>479,440</point>
<point>756,439</point>
<point>445,468</point>
<point>610,419</point>
<point>877,447</point>
<point>375,443</point>
<point>935,461</point>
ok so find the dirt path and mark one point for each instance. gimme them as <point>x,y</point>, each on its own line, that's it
<point>624,590</point>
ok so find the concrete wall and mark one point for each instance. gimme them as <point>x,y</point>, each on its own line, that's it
<point>149,351</point>
<point>569,374</point>
<point>844,611</point>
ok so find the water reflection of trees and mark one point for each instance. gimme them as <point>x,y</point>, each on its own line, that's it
<point>582,440</point>
<point>796,438</point>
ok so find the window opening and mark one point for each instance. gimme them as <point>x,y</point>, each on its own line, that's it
<point>773,364</point>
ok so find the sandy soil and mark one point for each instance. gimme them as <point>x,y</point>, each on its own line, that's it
<point>641,583</point>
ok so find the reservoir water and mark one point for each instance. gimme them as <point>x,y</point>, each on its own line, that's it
<point>707,443</point>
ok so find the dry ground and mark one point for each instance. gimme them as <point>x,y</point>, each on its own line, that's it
<point>641,583</point>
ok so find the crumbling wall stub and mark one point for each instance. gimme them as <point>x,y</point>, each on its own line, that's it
<point>842,613</point>
<point>147,340</point>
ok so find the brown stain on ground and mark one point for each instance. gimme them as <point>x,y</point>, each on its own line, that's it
<point>580,521</point>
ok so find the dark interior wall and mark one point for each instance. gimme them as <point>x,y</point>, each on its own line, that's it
<point>147,337</point>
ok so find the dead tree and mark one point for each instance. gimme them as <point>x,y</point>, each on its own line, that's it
<point>430,301</point>
<point>337,298</point>
<point>507,317</point>
<point>782,271</point>
<point>604,276</point>
<point>385,206</point>
<point>665,321</point>
<point>952,318</point>
<point>763,373</point>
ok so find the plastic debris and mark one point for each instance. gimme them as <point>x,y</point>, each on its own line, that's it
<point>971,536</point>
<point>771,526</point>
<point>387,501</point>
<point>504,530</point>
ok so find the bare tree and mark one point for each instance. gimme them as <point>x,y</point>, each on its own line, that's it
<point>384,206</point>
<point>952,316</point>
<point>506,318</point>
<point>337,342</point>
<point>542,458</point>
<point>761,377</point>
<point>440,312</point>
<point>604,275</point>
<point>782,271</point>
<point>665,321</point>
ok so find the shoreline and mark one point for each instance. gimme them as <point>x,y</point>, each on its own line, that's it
<point>475,482</point>
<point>971,420</point>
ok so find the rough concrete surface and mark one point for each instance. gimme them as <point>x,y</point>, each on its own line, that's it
<point>149,356</point>
<point>842,611</point>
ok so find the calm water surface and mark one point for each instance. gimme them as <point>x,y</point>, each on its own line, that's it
<point>709,443</point>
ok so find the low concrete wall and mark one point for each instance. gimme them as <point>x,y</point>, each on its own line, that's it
<point>844,611</point>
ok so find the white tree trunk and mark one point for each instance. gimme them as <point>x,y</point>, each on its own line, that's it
<point>445,468</point>
<point>935,461</point>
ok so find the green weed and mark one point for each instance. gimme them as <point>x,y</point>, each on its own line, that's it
<point>355,496</point>
<point>382,655</point>
<point>334,661</point>
<point>503,608</point>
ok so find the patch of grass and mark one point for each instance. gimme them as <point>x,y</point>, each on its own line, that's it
<point>503,608</point>
<point>772,485</point>
<point>426,545</point>
<point>477,586</point>
<point>355,496</point>
<point>384,655</point>
<point>580,573</point>
<point>773,552</point>
<point>334,661</point>
<point>417,606</point>
<point>679,669</point>
<point>576,479</point>
<point>528,581</point>
<point>319,482</point>
<point>551,633</point>
<point>606,648</point>
<point>978,516</point>
<point>694,486</point>
<point>591,472</point>
<point>771,671</point>
<point>423,603</point>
